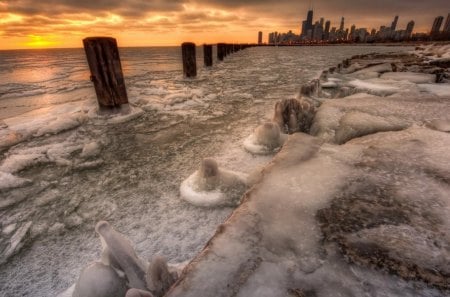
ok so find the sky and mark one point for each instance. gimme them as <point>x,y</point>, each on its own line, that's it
<point>64,23</point>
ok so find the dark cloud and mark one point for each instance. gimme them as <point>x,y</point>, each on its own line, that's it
<point>122,7</point>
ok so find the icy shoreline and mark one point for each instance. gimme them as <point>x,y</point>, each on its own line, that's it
<point>361,208</point>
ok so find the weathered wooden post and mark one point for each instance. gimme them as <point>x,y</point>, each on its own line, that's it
<point>221,51</point>
<point>106,71</point>
<point>208,55</point>
<point>189,61</point>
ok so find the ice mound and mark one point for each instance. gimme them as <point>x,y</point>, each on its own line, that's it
<point>266,139</point>
<point>211,186</point>
<point>121,270</point>
<point>124,114</point>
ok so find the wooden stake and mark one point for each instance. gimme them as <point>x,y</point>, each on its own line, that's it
<point>106,71</point>
<point>208,55</point>
<point>221,53</point>
<point>189,61</point>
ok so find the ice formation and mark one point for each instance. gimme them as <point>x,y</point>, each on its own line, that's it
<point>294,115</point>
<point>266,139</point>
<point>121,272</point>
<point>212,186</point>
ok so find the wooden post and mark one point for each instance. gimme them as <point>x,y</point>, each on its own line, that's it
<point>106,71</point>
<point>189,61</point>
<point>221,53</point>
<point>208,55</point>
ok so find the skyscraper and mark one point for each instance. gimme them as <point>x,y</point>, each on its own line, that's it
<point>309,19</point>
<point>260,37</point>
<point>307,25</point>
<point>447,24</point>
<point>394,24</point>
<point>409,29</point>
<point>437,25</point>
<point>341,28</point>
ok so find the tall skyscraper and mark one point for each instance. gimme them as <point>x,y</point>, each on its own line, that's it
<point>322,22</point>
<point>309,19</point>
<point>394,24</point>
<point>409,29</point>
<point>437,25</point>
<point>447,24</point>
<point>341,28</point>
<point>307,25</point>
<point>260,37</point>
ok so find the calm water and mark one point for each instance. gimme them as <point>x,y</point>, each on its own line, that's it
<point>48,116</point>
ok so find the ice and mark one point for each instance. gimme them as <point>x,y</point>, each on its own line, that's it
<point>442,90</point>
<point>8,181</point>
<point>16,242</point>
<point>227,193</point>
<point>91,149</point>
<point>374,88</point>
<point>16,163</point>
<point>440,125</point>
<point>417,78</point>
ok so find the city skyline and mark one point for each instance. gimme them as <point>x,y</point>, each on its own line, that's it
<point>317,31</point>
<point>63,23</point>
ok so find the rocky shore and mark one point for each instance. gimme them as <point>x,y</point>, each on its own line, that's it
<point>360,205</point>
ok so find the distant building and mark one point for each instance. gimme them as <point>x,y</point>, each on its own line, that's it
<point>318,32</point>
<point>260,37</point>
<point>437,25</point>
<point>409,29</point>
<point>307,25</point>
<point>341,28</point>
<point>447,24</point>
<point>326,32</point>
<point>394,24</point>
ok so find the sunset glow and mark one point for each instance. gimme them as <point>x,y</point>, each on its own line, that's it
<point>43,24</point>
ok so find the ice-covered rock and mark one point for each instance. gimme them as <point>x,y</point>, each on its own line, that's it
<point>294,115</point>
<point>341,120</point>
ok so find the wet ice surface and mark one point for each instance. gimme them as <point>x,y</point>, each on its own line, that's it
<point>63,167</point>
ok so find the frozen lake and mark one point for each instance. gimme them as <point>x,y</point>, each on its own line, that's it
<point>63,168</point>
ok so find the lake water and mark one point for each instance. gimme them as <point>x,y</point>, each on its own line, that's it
<point>63,167</point>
